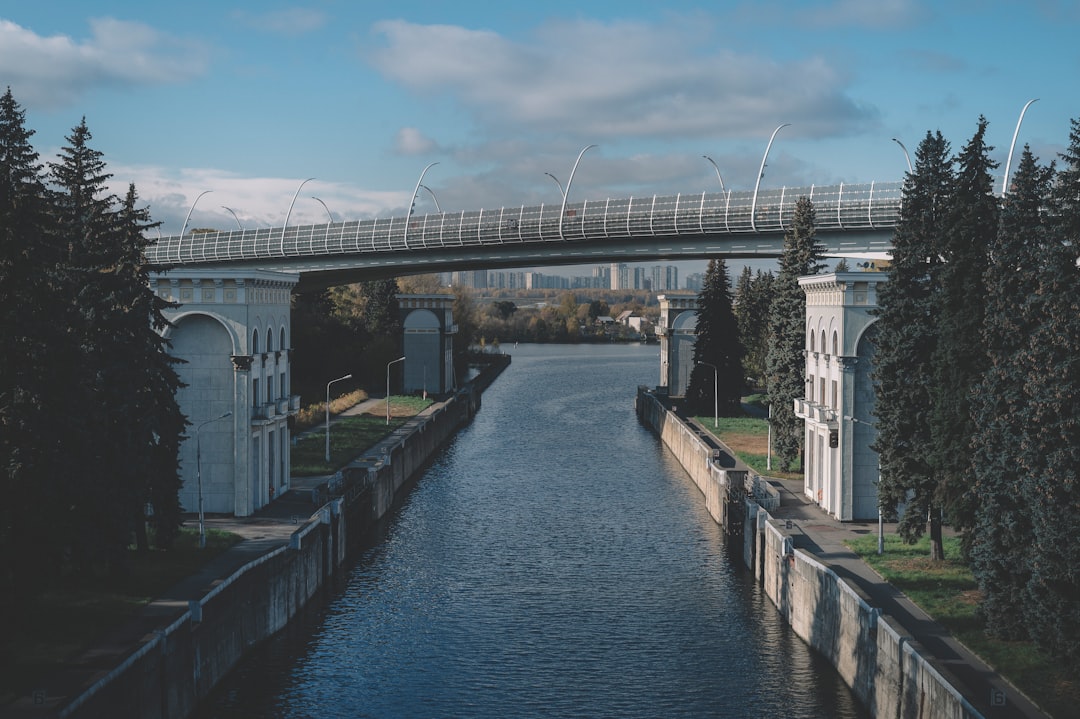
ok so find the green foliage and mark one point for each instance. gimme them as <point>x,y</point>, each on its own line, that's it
<point>1001,538</point>
<point>753,297</point>
<point>959,357</point>
<point>785,363</point>
<point>907,339</point>
<point>716,381</point>
<point>87,389</point>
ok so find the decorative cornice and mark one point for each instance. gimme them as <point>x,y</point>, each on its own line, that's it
<point>242,363</point>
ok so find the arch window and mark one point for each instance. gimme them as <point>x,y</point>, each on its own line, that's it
<point>823,341</point>
<point>812,349</point>
<point>255,342</point>
<point>835,343</point>
<point>281,341</point>
<point>269,340</point>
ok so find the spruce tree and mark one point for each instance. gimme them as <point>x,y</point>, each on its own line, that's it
<point>786,364</point>
<point>31,400</point>
<point>753,296</point>
<point>906,341</point>
<point>717,345</point>
<point>959,359</point>
<point>1001,538</point>
<point>1052,452</point>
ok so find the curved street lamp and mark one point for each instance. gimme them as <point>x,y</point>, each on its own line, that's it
<point>184,228</point>
<point>1012,146</point>
<point>433,197</point>
<point>408,219</point>
<point>319,200</point>
<point>289,213</point>
<point>562,193</point>
<point>566,193</point>
<point>391,362</point>
<point>906,156</point>
<point>760,174</point>
<point>198,474</point>
<point>722,188</point>
<point>339,379</point>
<point>233,213</point>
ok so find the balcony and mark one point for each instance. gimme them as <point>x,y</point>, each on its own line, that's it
<point>813,412</point>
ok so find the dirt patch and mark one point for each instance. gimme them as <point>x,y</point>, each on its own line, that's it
<point>750,443</point>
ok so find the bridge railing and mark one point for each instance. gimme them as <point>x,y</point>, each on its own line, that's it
<point>837,208</point>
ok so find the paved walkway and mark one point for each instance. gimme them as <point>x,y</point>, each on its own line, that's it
<point>816,532</point>
<point>272,526</point>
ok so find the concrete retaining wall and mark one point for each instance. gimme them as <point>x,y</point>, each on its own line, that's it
<point>176,668</point>
<point>873,655</point>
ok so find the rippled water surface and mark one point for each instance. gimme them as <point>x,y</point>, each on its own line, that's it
<point>554,561</point>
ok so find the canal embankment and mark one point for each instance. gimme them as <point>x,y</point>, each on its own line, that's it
<point>897,661</point>
<point>164,662</point>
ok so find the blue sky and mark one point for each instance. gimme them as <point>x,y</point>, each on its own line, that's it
<point>248,99</point>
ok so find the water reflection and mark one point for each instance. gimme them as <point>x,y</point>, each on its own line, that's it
<point>554,561</point>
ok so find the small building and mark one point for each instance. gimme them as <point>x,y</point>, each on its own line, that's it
<point>678,334</point>
<point>428,345</point>
<point>840,469</point>
<point>232,329</point>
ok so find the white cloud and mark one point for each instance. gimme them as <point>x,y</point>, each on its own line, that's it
<point>622,79</point>
<point>54,71</point>
<point>410,141</point>
<point>257,201</point>
<point>876,15</point>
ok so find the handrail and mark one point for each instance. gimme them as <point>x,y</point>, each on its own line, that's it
<point>845,207</point>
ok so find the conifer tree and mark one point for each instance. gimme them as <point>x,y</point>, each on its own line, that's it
<point>906,341</point>
<point>786,366</point>
<point>1052,452</point>
<point>29,393</point>
<point>717,345</point>
<point>753,296</point>
<point>1001,537</point>
<point>959,359</point>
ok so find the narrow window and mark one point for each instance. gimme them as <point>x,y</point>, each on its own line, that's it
<point>255,342</point>
<point>835,343</point>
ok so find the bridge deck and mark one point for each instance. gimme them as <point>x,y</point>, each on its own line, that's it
<point>873,207</point>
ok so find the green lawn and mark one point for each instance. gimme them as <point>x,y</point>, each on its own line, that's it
<point>948,592</point>
<point>62,622</point>
<point>350,437</point>
<point>748,438</point>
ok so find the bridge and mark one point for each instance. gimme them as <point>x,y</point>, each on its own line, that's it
<point>850,219</point>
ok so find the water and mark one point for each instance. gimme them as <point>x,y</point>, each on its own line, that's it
<point>554,561</point>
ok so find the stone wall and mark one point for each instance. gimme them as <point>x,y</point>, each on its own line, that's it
<point>874,656</point>
<point>175,668</point>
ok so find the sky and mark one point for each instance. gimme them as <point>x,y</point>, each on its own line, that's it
<point>248,99</point>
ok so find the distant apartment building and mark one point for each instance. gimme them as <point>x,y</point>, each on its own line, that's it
<point>694,281</point>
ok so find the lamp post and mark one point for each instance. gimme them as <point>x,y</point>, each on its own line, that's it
<point>183,228</point>
<point>198,475</point>
<point>768,455</point>
<point>562,193</point>
<point>715,395</point>
<point>408,219</point>
<point>906,156</point>
<point>287,214</point>
<point>1012,146</point>
<point>722,188</point>
<point>339,379</point>
<point>761,174</point>
<point>399,359</point>
<point>328,214</point>
<point>233,213</point>
<point>566,193</point>
<point>433,197</point>
<point>880,516</point>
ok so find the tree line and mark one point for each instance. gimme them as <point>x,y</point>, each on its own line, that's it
<point>89,423</point>
<point>976,372</point>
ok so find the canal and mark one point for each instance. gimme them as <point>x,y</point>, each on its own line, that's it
<point>553,561</point>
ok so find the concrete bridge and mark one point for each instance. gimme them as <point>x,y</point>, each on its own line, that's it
<point>233,325</point>
<point>850,219</point>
